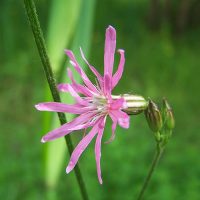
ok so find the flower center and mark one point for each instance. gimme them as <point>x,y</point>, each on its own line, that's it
<point>100,102</point>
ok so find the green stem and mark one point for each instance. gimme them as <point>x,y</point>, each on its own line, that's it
<point>155,161</point>
<point>39,39</point>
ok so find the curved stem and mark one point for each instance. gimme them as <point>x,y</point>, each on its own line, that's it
<point>39,39</point>
<point>155,161</point>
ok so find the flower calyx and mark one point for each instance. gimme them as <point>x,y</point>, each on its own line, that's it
<point>154,117</point>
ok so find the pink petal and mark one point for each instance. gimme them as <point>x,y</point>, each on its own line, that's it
<point>122,118</point>
<point>78,87</point>
<point>81,147</point>
<point>85,125</point>
<point>61,107</point>
<point>109,50</point>
<point>66,128</point>
<point>86,80</point>
<point>76,96</point>
<point>96,73</point>
<point>118,104</point>
<point>114,125</point>
<point>117,76</point>
<point>63,87</point>
<point>98,150</point>
<point>107,86</point>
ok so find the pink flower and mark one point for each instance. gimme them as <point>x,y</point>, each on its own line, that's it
<point>94,105</point>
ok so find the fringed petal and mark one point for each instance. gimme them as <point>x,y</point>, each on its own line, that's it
<point>67,128</point>
<point>122,118</point>
<point>118,104</point>
<point>114,125</point>
<point>95,72</point>
<point>62,107</point>
<point>86,80</point>
<point>118,74</point>
<point>98,149</point>
<point>78,87</point>
<point>76,96</point>
<point>109,50</point>
<point>81,147</point>
<point>107,87</point>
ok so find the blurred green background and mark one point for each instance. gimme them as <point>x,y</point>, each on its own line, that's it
<point>162,44</point>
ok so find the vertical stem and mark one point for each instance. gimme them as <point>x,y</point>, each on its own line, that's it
<point>39,39</point>
<point>155,161</point>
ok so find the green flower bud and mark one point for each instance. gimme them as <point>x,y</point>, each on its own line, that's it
<point>168,115</point>
<point>153,116</point>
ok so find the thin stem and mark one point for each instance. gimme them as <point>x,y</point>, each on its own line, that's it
<point>155,161</point>
<point>39,39</point>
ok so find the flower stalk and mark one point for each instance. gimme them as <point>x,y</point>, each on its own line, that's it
<point>40,42</point>
<point>161,123</point>
<point>158,154</point>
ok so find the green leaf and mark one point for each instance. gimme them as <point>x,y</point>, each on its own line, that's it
<point>56,150</point>
<point>62,23</point>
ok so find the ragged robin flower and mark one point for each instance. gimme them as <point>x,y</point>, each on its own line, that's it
<point>95,104</point>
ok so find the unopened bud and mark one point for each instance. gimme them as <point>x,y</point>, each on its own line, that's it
<point>168,115</point>
<point>153,117</point>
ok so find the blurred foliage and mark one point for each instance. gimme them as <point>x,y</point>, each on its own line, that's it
<point>159,62</point>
